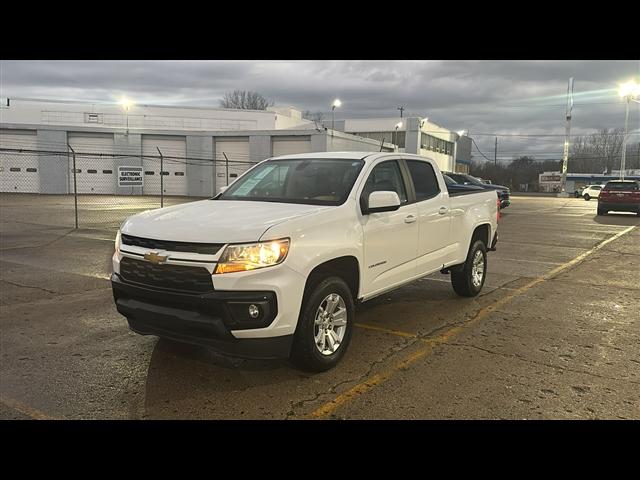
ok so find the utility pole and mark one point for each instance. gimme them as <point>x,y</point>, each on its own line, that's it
<point>495,154</point>
<point>567,135</point>
<point>401,108</point>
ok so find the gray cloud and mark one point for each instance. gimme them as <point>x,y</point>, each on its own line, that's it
<point>506,97</point>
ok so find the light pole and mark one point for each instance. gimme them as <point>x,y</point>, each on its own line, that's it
<point>126,104</point>
<point>398,125</point>
<point>336,103</point>
<point>630,91</point>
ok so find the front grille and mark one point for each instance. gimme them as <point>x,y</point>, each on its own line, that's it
<point>202,248</point>
<point>166,277</point>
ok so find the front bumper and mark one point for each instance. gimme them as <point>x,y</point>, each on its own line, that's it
<point>202,319</point>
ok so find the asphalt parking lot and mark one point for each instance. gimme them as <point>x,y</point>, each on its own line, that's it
<point>554,334</point>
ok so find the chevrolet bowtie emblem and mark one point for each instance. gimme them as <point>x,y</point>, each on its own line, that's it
<point>155,258</point>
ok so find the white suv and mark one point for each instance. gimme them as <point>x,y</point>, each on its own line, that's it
<point>591,191</point>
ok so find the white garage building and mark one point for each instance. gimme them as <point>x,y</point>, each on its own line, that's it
<point>37,136</point>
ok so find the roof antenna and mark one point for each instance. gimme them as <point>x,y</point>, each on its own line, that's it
<point>381,143</point>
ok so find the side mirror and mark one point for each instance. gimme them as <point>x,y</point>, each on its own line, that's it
<point>383,201</point>
<point>222,189</point>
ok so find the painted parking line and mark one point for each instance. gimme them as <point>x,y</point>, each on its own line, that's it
<point>370,383</point>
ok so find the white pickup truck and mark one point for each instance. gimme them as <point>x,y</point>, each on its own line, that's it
<point>274,265</point>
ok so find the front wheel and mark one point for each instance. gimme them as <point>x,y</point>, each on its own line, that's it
<point>324,327</point>
<point>602,211</point>
<point>468,281</point>
<point>587,197</point>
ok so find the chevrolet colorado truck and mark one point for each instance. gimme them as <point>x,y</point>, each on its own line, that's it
<point>273,266</point>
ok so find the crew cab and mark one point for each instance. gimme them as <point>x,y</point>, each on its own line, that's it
<point>274,265</point>
<point>620,196</point>
<point>503,192</point>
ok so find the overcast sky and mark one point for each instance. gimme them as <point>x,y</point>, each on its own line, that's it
<point>484,97</point>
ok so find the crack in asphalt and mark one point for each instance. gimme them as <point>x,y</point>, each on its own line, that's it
<point>534,362</point>
<point>29,286</point>
<point>332,390</point>
<point>60,237</point>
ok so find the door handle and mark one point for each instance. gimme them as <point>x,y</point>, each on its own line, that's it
<point>443,210</point>
<point>409,219</point>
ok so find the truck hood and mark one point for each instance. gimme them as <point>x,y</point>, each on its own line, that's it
<point>214,221</point>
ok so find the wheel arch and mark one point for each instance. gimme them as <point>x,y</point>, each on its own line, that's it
<point>345,267</point>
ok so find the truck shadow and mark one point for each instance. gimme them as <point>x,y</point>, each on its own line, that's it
<point>183,379</point>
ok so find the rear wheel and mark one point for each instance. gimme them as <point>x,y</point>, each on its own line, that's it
<point>324,327</point>
<point>587,197</point>
<point>468,281</point>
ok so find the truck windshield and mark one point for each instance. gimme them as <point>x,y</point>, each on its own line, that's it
<point>314,181</point>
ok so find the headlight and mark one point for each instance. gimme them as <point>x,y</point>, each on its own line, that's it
<point>250,256</point>
<point>118,242</point>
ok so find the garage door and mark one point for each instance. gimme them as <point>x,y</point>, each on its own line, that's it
<point>290,145</point>
<point>174,151</point>
<point>237,150</point>
<point>19,171</point>
<point>95,172</point>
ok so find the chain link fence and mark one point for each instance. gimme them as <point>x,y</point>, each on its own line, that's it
<point>99,190</point>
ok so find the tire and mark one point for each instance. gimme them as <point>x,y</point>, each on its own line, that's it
<point>305,351</point>
<point>602,211</point>
<point>587,197</point>
<point>464,282</point>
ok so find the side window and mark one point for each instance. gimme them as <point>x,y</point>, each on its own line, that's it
<point>384,176</point>
<point>424,179</point>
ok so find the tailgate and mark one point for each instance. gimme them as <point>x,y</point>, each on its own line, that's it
<point>620,196</point>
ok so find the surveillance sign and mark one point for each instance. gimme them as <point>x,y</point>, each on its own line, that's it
<point>130,177</point>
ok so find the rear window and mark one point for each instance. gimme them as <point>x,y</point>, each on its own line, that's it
<point>622,186</point>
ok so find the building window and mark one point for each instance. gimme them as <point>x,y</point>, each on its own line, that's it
<point>164,173</point>
<point>32,169</point>
<point>179,174</point>
<point>233,175</point>
<point>149,172</point>
<point>92,171</point>
<point>107,171</point>
<point>15,169</point>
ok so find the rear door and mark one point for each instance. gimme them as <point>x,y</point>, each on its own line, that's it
<point>390,238</point>
<point>434,217</point>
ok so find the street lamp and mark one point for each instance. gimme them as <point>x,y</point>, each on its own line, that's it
<point>398,125</point>
<point>336,103</point>
<point>126,104</point>
<point>630,91</point>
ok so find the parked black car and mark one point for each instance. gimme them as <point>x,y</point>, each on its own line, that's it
<point>464,179</point>
<point>456,188</point>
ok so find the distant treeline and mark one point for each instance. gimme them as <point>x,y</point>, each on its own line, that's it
<point>599,152</point>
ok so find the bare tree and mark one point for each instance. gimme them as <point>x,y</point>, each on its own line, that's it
<point>597,152</point>
<point>245,100</point>
<point>317,117</point>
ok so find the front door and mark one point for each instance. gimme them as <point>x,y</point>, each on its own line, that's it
<point>390,238</point>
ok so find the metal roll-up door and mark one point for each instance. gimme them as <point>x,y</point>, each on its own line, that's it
<point>174,152</point>
<point>237,150</point>
<point>19,171</point>
<point>94,162</point>
<point>290,145</point>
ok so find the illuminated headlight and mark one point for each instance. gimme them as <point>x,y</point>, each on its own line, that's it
<point>118,240</point>
<point>250,256</point>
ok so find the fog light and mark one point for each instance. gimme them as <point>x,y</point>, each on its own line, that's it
<point>254,311</point>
